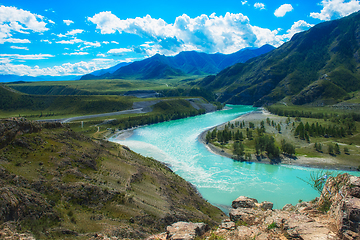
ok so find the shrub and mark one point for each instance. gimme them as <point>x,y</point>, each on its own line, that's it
<point>272,225</point>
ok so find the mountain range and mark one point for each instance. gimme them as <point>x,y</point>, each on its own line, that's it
<point>318,66</point>
<point>110,70</point>
<point>17,78</point>
<point>185,63</point>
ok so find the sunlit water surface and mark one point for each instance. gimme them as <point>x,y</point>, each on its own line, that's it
<point>220,180</point>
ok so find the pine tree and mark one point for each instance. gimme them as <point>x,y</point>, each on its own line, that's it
<point>307,137</point>
<point>241,136</point>
<point>208,137</point>
<point>337,148</point>
<point>330,149</point>
<point>238,149</point>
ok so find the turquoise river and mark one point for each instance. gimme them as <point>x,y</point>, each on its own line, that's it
<point>220,180</point>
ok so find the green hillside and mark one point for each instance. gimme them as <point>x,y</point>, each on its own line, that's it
<point>319,65</point>
<point>12,102</point>
<point>90,87</point>
<point>59,184</point>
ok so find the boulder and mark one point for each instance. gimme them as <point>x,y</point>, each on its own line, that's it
<point>354,183</point>
<point>228,225</point>
<point>266,205</point>
<point>160,236</point>
<point>288,207</point>
<point>186,230</point>
<point>244,202</point>
<point>243,232</point>
<point>246,215</point>
<point>342,193</point>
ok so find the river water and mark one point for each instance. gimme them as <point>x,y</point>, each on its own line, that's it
<point>220,180</point>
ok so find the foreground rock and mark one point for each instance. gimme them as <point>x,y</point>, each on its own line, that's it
<point>342,195</point>
<point>335,215</point>
<point>182,231</point>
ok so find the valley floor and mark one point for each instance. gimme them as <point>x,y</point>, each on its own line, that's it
<point>324,161</point>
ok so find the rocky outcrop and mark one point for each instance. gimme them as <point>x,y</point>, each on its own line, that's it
<point>17,204</point>
<point>8,231</point>
<point>182,231</point>
<point>342,195</point>
<point>244,202</point>
<point>11,128</point>
<point>335,215</point>
<point>254,220</point>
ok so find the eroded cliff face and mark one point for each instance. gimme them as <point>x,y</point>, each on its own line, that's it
<point>335,215</point>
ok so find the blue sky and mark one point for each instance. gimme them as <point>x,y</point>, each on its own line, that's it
<point>76,37</point>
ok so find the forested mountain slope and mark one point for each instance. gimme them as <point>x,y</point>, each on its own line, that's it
<point>319,65</point>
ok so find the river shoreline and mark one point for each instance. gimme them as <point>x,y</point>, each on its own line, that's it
<point>303,161</point>
<point>328,163</point>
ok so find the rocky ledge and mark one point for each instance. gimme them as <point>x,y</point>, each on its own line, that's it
<point>334,215</point>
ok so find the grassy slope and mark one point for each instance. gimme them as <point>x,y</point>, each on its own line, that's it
<point>99,87</point>
<point>14,104</point>
<point>81,186</point>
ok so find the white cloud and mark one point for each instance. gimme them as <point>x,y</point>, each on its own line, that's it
<point>52,22</point>
<point>260,6</point>
<point>47,41</point>
<point>297,27</point>
<point>74,32</point>
<point>68,22</point>
<point>333,9</point>
<point>12,57</point>
<point>243,2</point>
<point>93,44</point>
<point>71,33</point>
<point>114,42</point>
<point>13,40</point>
<point>283,9</point>
<point>21,21</point>
<point>100,55</point>
<point>105,42</point>
<point>212,33</point>
<point>20,48</point>
<point>76,53</point>
<point>76,40</point>
<point>266,36</point>
<point>225,34</point>
<point>79,68</point>
<point>119,51</point>
<point>83,48</point>
<point>72,41</point>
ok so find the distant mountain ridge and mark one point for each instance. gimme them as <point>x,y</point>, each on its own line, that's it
<point>110,70</point>
<point>185,63</point>
<point>17,78</point>
<point>319,66</point>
